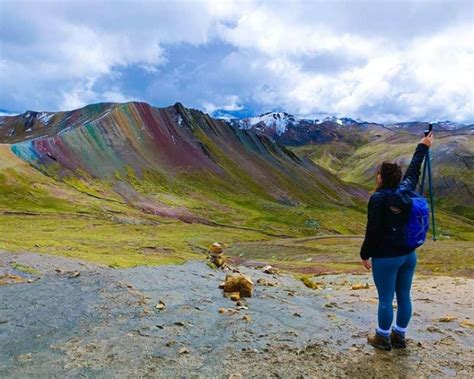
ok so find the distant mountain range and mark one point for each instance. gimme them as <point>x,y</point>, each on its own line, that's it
<point>352,149</point>
<point>275,157</point>
<point>281,122</point>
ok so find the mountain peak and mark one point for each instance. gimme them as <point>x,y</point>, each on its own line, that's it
<point>278,121</point>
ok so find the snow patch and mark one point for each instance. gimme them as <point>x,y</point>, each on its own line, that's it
<point>450,125</point>
<point>45,117</point>
<point>342,121</point>
<point>280,121</point>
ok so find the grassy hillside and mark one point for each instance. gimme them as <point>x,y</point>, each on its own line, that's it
<point>131,184</point>
<point>86,218</point>
<point>452,162</point>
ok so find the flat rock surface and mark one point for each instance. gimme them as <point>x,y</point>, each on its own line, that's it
<point>60,317</point>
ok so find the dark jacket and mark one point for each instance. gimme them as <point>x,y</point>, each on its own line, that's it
<point>388,211</point>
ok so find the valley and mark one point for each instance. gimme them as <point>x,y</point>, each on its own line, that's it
<point>130,184</point>
<point>110,210</point>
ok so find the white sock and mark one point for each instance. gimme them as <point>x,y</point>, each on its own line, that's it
<point>399,330</point>
<point>383,332</point>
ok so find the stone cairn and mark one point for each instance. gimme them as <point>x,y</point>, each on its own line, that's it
<point>216,255</point>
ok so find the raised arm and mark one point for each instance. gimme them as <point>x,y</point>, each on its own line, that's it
<point>412,175</point>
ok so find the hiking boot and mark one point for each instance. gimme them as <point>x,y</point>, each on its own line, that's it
<point>398,340</point>
<point>380,342</point>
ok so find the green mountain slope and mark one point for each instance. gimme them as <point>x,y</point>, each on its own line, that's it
<point>128,184</point>
<point>452,162</point>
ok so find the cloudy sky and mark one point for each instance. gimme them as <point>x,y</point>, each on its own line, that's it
<point>375,60</point>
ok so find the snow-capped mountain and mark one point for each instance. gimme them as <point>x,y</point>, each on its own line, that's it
<point>342,120</point>
<point>278,121</point>
<point>294,130</point>
<point>281,122</point>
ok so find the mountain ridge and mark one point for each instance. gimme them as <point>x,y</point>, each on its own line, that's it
<point>249,121</point>
<point>269,118</point>
<point>147,155</point>
<point>175,139</point>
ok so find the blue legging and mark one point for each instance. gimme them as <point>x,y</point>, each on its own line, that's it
<point>394,275</point>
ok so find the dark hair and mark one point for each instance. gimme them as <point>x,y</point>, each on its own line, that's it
<point>391,174</point>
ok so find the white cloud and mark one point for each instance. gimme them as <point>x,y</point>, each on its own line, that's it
<point>59,56</point>
<point>229,103</point>
<point>266,31</point>
<point>427,77</point>
<point>382,61</point>
<point>83,94</point>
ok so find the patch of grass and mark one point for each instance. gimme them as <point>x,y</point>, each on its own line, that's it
<point>111,243</point>
<point>341,254</point>
<point>24,268</point>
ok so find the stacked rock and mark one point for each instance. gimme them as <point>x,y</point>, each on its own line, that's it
<point>216,254</point>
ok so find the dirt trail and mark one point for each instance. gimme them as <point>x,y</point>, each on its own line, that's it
<point>92,321</point>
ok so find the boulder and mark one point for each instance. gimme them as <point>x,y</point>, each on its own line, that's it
<point>10,279</point>
<point>234,296</point>
<point>467,324</point>
<point>271,270</point>
<point>447,318</point>
<point>360,286</point>
<point>239,283</point>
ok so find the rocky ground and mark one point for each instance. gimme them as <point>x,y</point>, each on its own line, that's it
<point>60,317</point>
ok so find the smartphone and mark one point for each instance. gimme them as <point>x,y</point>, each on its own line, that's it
<point>427,131</point>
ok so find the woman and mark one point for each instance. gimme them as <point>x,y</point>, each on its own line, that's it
<point>392,266</point>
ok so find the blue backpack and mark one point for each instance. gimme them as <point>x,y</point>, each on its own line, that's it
<point>418,222</point>
<point>406,219</point>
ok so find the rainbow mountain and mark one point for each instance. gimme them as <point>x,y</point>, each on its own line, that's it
<point>174,162</point>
